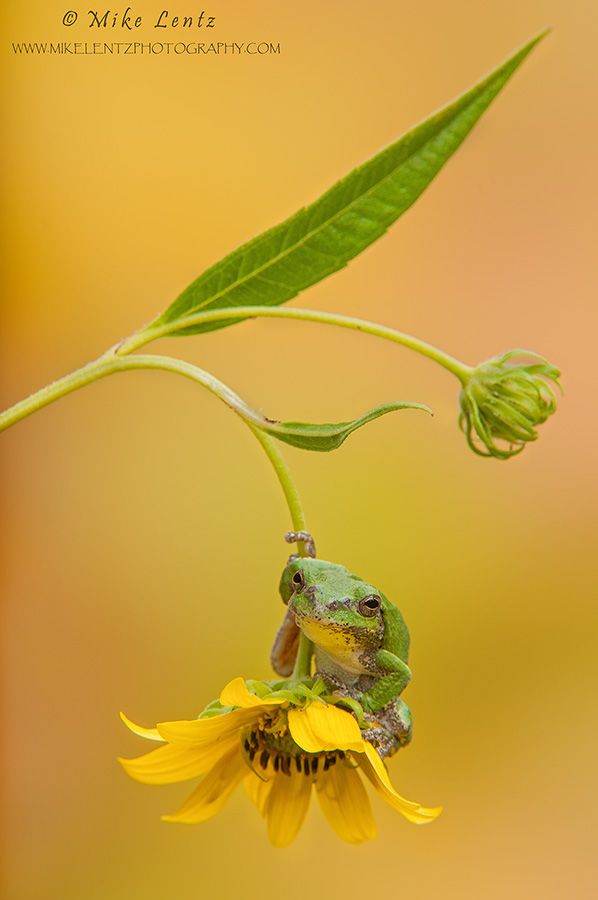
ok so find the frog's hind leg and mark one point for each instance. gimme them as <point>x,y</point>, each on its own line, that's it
<point>397,716</point>
<point>390,728</point>
<point>385,743</point>
<point>285,646</point>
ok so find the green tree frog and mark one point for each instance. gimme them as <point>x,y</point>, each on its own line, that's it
<point>360,639</point>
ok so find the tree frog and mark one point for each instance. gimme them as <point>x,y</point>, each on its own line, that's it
<point>360,638</point>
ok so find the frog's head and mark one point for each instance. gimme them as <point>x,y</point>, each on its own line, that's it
<point>344,616</point>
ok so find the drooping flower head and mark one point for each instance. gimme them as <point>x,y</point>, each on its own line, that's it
<point>505,402</point>
<point>279,746</point>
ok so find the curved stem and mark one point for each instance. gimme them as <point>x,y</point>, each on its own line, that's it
<point>108,364</point>
<point>153,332</point>
<point>100,367</point>
<point>285,479</point>
<point>302,667</point>
<point>116,358</point>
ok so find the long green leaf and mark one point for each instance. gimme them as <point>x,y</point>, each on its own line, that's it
<point>321,238</point>
<point>324,438</point>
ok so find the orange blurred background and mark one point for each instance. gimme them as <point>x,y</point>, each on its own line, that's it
<point>142,525</point>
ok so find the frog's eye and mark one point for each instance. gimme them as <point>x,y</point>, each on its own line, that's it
<point>298,581</point>
<point>369,606</point>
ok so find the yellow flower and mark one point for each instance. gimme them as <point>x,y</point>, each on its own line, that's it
<point>277,750</point>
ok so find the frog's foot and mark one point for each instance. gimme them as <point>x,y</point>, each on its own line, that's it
<point>390,727</point>
<point>304,537</point>
<point>385,743</point>
<point>396,718</point>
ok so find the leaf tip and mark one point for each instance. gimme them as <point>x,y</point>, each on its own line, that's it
<point>421,406</point>
<point>529,45</point>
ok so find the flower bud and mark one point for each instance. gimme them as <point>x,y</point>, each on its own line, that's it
<point>502,401</point>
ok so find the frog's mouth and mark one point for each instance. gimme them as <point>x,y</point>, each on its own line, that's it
<point>328,635</point>
<point>305,607</point>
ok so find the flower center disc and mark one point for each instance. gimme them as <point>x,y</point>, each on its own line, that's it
<point>268,745</point>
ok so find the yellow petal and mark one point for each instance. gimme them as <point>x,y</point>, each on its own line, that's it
<point>335,725</point>
<point>257,791</point>
<point>345,804</point>
<point>203,731</point>
<point>150,733</point>
<point>170,763</point>
<point>375,770</point>
<point>236,693</point>
<point>322,727</point>
<point>211,794</point>
<point>286,807</point>
<point>302,732</point>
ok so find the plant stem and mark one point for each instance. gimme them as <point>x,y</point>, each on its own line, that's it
<point>302,667</point>
<point>117,359</point>
<point>285,479</point>
<point>108,364</point>
<point>153,332</point>
<point>100,367</point>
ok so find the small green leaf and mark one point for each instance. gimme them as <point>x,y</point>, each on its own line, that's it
<point>321,238</point>
<point>323,438</point>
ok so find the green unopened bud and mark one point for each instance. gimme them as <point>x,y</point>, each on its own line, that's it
<point>505,402</point>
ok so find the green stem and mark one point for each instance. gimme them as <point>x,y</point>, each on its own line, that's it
<point>105,365</point>
<point>153,332</point>
<point>108,364</point>
<point>285,479</point>
<point>302,668</point>
<point>116,359</point>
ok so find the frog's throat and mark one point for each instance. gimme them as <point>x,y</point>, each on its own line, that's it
<point>340,650</point>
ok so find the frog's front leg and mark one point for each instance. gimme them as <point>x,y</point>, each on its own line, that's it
<point>395,679</point>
